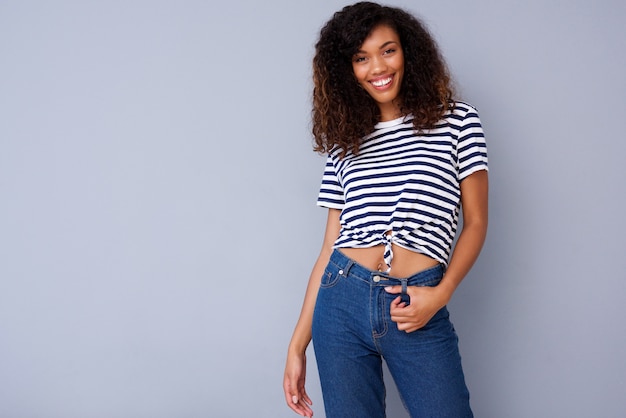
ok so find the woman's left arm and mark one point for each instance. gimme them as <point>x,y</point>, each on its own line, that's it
<point>426,301</point>
<point>474,200</point>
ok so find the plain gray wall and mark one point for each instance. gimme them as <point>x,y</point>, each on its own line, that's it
<point>158,219</point>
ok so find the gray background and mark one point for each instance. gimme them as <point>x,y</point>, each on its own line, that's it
<point>158,219</point>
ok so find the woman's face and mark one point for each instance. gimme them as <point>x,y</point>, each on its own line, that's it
<point>378,67</point>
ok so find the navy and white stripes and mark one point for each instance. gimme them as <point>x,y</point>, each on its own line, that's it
<point>404,188</point>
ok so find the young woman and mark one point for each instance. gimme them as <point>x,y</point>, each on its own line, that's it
<point>403,158</point>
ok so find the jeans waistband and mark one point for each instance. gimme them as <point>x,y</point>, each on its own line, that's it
<point>350,267</point>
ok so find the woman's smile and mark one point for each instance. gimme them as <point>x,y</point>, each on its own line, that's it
<point>382,83</point>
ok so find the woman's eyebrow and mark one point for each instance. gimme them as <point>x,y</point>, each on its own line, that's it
<point>360,51</point>
<point>387,44</point>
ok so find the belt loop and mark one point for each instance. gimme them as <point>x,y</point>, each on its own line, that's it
<point>403,282</point>
<point>404,296</point>
<point>344,271</point>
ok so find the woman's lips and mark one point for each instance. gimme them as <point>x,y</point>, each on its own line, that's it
<point>382,82</point>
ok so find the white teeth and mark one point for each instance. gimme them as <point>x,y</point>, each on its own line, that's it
<point>381,83</point>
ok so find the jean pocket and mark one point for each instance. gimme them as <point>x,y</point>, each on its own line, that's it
<point>430,282</point>
<point>440,323</point>
<point>330,278</point>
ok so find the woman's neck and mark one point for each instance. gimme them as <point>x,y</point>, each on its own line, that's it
<point>389,111</point>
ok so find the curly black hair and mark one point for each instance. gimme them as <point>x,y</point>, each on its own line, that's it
<point>343,112</point>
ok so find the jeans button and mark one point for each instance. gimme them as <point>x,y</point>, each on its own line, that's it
<point>341,272</point>
<point>376,279</point>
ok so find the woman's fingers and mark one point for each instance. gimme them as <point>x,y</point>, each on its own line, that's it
<point>293,384</point>
<point>297,404</point>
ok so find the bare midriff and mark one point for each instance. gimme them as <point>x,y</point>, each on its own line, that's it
<point>405,262</point>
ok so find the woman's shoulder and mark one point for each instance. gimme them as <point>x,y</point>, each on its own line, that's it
<point>461,113</point>
<point>462,108</point>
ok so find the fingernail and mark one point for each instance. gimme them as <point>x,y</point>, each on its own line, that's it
<point>388,288</point>
<point>294,399</point>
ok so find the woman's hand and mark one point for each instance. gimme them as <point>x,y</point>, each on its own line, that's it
<point>425,303</point>
<point>293,385</point>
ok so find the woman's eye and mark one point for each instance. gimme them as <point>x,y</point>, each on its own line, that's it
<point>389,51</point>
<point>359,59</point>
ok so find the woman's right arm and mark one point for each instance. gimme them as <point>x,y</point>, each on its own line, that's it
<point>295,369</point>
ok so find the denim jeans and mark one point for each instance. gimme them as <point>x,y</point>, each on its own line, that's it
<point>353,332</point>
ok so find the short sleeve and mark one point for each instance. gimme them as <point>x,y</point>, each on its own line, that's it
<point>331,191</point>
<point>471,147</point>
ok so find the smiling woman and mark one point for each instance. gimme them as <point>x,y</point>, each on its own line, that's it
<point>425,86</point>
<point>378,67</point>
<point>402,159</point>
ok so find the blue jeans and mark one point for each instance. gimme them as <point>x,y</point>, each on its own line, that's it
<point>353,332</point>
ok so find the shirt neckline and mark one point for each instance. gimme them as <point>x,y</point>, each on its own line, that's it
<point>390,123</point>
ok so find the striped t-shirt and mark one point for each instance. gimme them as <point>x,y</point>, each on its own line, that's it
<point>403,187</point>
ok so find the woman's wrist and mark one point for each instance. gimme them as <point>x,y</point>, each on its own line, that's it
<point>298,345</point>
<point>297,349</point>
<point>445,290</point>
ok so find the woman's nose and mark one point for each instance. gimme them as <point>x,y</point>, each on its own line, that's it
<point>379,65</point>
